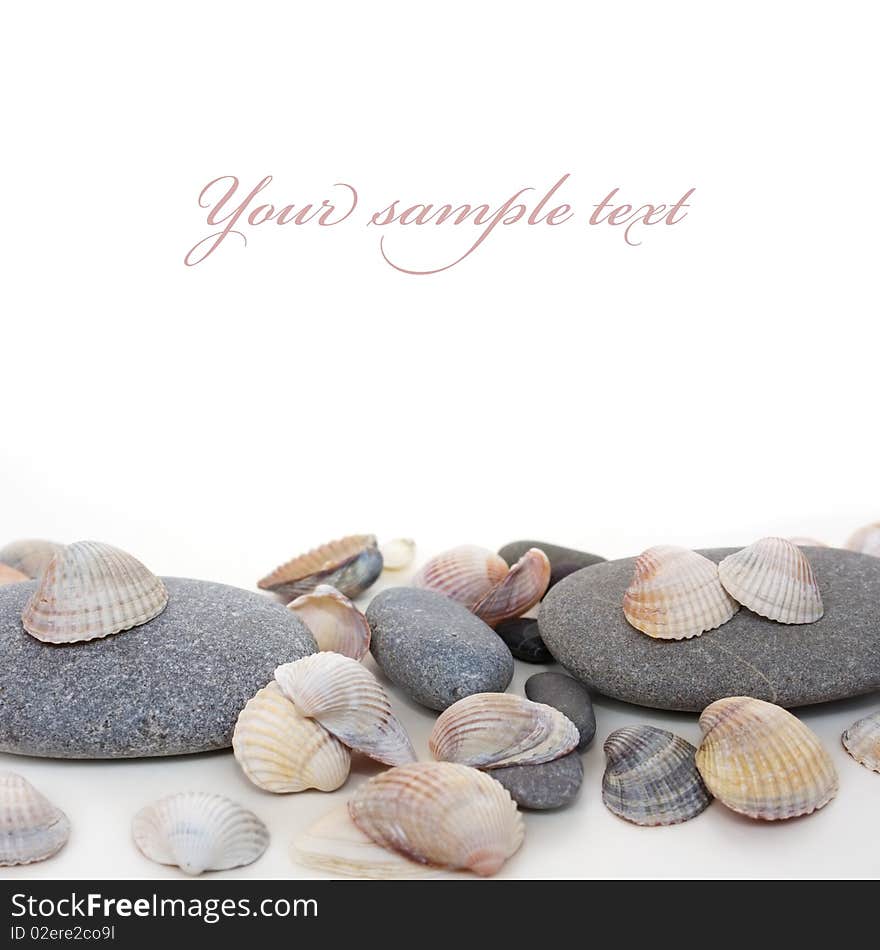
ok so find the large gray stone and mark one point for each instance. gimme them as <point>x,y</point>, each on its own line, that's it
<point>583,625</point>
<point>173,685</point>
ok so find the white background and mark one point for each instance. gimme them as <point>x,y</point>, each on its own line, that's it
<point>714,384</point>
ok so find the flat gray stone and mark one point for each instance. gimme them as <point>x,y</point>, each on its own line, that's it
<point>583,626</point>
<point>548,785</point>
<point>434,649</point>
<point>567,695</point>
<point>173,685</point>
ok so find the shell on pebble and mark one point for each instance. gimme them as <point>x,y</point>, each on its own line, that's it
<point>336,624</point>
<point>862,741</point>
<point>198,831</point>
<point>520,589</point>
<point>348,701</point>
<point>675,594</point>
<point>91,590</point>
<point>398,555</point>
<point>465,574</point>
<point>774,579</point>
<point>759,760</point>
<point>31,827</point>
<point>651,777</point>
<point>9,575</point>
<point>440,813</point>
<point>280,750</point>
<point>350,564</point>
<point>866,540</point>
<point>490,730</point>
<point>30,555</point>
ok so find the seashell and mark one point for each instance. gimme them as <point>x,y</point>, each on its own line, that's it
<point>31,827</point>
<point>651,777</point>
<point>90,590</point>
<point>808,543</point>
<point>675,594</point>
<point>465,574</point>
<point>9,575</point>
<point>866,540</point>
<point>281,750</point>
<point>522,587</point>
<point>760,761</point>
<point>30,556</point>
<point>862,741</point>
<point>489,730</point>
<point>336,624</point>
<point>440,813</point>
<point>197,832</point>
<point>773,578</point>
<point>347,700</point>
<point>397,555</point>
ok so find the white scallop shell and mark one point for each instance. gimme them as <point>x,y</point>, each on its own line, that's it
<point>197,832</point>
<point>397,555</point>
<point>336,624</point>
<point>31,827</point>
<point>349,702</point>
<point>30,555</point>
<point>281,750</point>
<point>862,741</point>
<point>866,540</point>
<point>773,578</point>
<point>90,590</point>
<point>464,574</point>
<point>518,591</point>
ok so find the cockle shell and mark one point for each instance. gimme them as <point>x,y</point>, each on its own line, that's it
<point>281,750</point>
<point>464,574</point>
<point>773,578</point>
<point>30,556</point>
<point>862,741</point>
<point>90,590</point>
<point>31,827</point>
<point>520,589</point>
<point>348,701</point>
<point>440,813</point>
<point>675,594</point>
<point>760,761</point>
<point>397,555</point>
<point>9,575</point>
<point>336,624</point>
<point>197,832</point>
<point>489,730</point>
<point>866,540</point>
<point>651,777</point>
<point>350,565</point>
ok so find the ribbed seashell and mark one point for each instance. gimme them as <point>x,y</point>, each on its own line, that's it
<point>348,701</point>
<point>773,578</point>
<point>862,741</point>
<point>31,827</point>
<point>9,575</point>
<point>651,777</point>
<point>520,589</point>
<point>759,760</point>
<point>440,813</point>
<point>490,730</point>
<point>281,750</point>
<point>90,590</point>
<point>197,832</point>
<point>866,540</point>
<point>465,574</point>
<point>350,565</point>
<point>30,555</point>
<point>336,624</point>
<point>675,594</point>
<point>397,555</point>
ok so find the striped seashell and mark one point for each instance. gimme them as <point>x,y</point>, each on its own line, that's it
<point>336,624</point>
<point>9,575</point>
<point>465,574</point>
<point>675,594</point>
<point>759,760</point>
<point>862,741</point>
<point>30,556</point>
<point>773,578</point>
<point>91,590</point>
<point>31,827</point>
<point>398,555</point>
<point>865,541</point>
<point>651,777</point>
<point>520,589</point>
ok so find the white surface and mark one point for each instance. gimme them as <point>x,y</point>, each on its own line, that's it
<point>715,384</point>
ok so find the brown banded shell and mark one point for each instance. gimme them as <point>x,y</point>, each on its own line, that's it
<point>465,574</point>
<point>30,555</point>
<point>9,575</point>
<point>675,594</point>
<point>350,565</point>
<point>490,730</point>
<point>520,589</point>
<point>759,760</point>
<point>866,540</point>
<point>773,578</point>
<point>91,590</point>
<point>348,701</point>
<point>440,813</point>
<point>336,624</point>
<point>282,751</point>
<point>862,741</point>
<point>651,777</point>
<point>31,827</point>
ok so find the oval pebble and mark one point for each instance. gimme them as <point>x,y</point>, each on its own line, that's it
<point>569,697</point>
<point>524,640</point>
<point>539,787</point>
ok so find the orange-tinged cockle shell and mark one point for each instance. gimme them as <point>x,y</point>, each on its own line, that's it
<point>520,589</point>
<point>30,555</point>
<point>336,624</point>
<point>464,574</point>
<point>9,575</point>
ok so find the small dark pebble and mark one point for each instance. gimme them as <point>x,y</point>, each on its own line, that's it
<point>549,785</point>
<point>568,696</point>
<point>523,640</point>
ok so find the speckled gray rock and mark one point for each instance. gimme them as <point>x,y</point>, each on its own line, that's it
<point>549,785</point>
<point>582,623</point>
<point>563,561</point>
<point>569,696</point>
<point>434,649</point>
<point>523,639</point>
<point>173,685</point>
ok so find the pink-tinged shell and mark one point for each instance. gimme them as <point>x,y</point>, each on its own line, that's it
<point>773,578</point>
<point>520,589</point>
<point>30,555</point>
<point>350,565</point>
<point>336,624</point>
<point>9,575</point>
<point>464,574</point>
<point>866,540</point>
<point>675,594</point>
<point>862,741</point>
<point>440,813</point>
